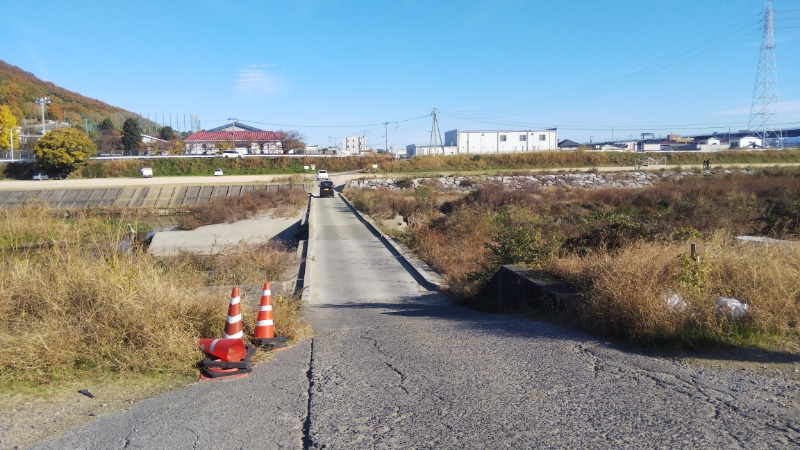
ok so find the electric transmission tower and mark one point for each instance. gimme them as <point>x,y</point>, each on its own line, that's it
<point>764,118</point>
<point>436,135</point>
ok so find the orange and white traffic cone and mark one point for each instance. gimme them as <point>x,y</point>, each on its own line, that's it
<point>224,349</point>
<point>265,328</point>
<point>233,325</point>
<point>264,331</point>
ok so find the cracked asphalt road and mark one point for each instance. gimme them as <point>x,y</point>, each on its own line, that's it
<point>396,366</point>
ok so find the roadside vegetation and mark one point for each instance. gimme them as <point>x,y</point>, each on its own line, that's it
<point>626,250</point>
<point>82,302</point>
<point>434,165</point>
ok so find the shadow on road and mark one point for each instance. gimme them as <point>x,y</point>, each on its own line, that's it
<point>439,306</point>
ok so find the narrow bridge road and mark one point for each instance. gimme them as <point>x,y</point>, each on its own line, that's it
<point>394,366</point>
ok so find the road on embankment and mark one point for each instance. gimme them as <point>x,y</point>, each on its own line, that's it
<point>394,365</point>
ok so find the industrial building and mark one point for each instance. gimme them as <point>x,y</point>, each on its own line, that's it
<point>490,141</point>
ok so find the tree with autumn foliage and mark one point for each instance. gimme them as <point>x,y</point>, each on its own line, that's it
<point>176,148</point>
<point>64,149</point>
<point>7,123</point>
<point>291,140</point>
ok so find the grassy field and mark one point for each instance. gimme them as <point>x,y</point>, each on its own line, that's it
<point>627,250</point>
<point>79,303</point>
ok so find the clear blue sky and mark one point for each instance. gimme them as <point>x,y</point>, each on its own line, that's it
<point>331,68</point>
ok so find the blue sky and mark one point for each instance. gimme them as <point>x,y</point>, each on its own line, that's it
<point>331,68</point>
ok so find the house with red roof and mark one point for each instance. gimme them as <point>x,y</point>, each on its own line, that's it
<point>236,135</point>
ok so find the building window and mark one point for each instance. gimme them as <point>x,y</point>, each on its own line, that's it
<point>523,138</point>
<point>502,138</point>
<point>542,137</point>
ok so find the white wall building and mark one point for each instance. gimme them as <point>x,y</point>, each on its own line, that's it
<point>353,145</point>
<point>501,141</point>
<point>746,142</point>
<point>425,150</point>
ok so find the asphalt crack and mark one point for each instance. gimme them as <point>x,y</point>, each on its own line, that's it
<point>391,367</point>
<point>308,441</point>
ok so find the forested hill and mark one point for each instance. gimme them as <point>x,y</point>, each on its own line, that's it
<point>19,90</point>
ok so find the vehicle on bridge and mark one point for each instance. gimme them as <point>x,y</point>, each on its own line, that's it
<point>326,189</point>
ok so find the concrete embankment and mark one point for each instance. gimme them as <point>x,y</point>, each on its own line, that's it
<point>133,196</point>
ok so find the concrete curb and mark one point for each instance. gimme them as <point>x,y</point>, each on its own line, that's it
<point>308,257</point>
<point>426,276</point>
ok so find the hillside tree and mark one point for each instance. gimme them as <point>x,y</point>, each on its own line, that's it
<point>8,122</point>
<point>291,140</point>
<point>131,136</point>
<point>106,126</point>
<point>64,149</point>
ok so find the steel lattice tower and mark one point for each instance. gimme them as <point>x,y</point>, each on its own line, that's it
<point>764,117</point>
<point>436,135</point>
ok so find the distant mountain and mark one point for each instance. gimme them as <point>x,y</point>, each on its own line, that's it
<point>19,90</point>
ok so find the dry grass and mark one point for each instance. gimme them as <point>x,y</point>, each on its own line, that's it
<point>627,291</point>
<point>286,202</point>
<point>78,303</point>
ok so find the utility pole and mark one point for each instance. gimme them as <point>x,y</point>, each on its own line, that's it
<point>435,134</point>
<point>386,135</point>
<point>43,101</point>
<point>233,133</point>
<point>764,117</point>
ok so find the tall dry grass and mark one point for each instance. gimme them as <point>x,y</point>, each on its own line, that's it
<point>77,301</point>
<point>627,292</point>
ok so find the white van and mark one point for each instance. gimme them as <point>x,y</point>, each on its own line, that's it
<point>147,172</point>
<point>322,174</point>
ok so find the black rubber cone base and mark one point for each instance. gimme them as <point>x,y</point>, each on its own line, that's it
<point>273,343</point>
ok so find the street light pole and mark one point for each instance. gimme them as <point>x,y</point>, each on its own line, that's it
<point>233,133</point>
<point>43,101</point>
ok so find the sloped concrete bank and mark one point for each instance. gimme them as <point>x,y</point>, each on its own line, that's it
<point>134,196</point>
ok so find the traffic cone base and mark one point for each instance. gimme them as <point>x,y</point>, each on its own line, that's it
<point>206,374</point>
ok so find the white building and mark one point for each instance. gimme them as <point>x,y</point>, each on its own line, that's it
<point>426,150</point>
<point>501,141</point>
<point>353,145</point>
<point>746,142</point>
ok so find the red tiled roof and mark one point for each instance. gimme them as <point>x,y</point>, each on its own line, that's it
<point>210,136</point>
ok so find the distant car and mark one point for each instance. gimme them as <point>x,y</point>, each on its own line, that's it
<point>147,172</point>
<point>217,172</point>
<point>40,176</point>
<point>322,174</point>
<point>231,154</point>
<point>326,189</point>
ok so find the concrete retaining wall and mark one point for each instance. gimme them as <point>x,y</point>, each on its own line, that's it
<point>512,290</point>
<point>134,197</point>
